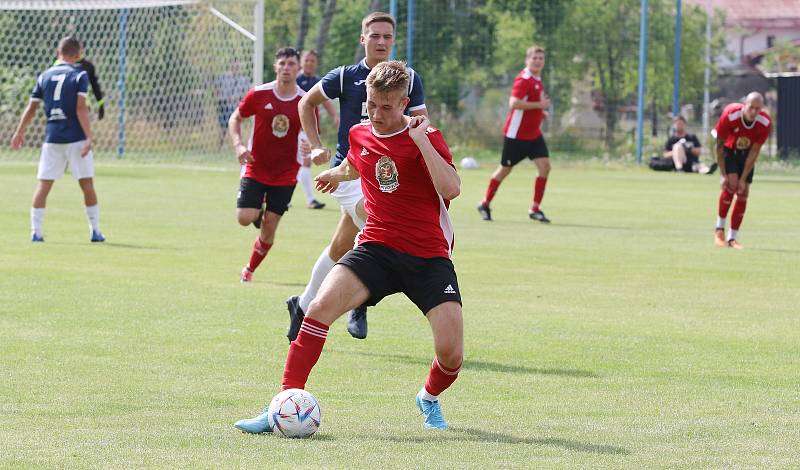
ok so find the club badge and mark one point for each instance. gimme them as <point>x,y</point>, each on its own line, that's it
<point>386,174</point>
<point>742,143</point>
<point>280,125</point>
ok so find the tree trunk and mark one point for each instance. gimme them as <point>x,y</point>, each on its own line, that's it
<point>373,6</point>
<point>302,32</point>
<point>325,26</point>
<point>611,122</point>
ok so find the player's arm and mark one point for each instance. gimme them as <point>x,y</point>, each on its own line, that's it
<point>235,132</point>
<point>308,118</point>
<point>749,163</point>
<point>19,134</point>
<point>329,180</point>
<point>517,103</point>
<point>444,176</point>
<point>331,110</point>
<point>82,111</point>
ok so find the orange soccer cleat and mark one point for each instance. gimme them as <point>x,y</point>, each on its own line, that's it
<point>719,237</point>
<point>734,244</point>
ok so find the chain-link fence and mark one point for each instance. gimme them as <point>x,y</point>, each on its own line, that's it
<point>468,52</point>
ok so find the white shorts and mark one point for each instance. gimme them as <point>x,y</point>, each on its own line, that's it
<point>57,157</point>
<point>348,195</point>
<point>301,137</point>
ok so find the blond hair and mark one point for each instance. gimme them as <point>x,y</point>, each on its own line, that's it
<point>377,17</point>
<point>533,50</point>
<point>388,77</point>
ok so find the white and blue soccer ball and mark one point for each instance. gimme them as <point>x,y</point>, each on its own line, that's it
<point>294,413</point>
<point>469,163</point>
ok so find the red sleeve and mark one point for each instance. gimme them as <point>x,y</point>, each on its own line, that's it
<point>764,134</point>
<point>247,107</point>
<point>352,156</point>
<point>521,88</point>
<point>438,142</point>
<point>723,128</point>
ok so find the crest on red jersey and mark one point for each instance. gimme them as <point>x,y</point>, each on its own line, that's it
<point>280,125</point>
<point>386,174</point>
<point>742,143</point>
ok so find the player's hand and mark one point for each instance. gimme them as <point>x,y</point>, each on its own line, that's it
<point>545,115</point>
<point>87,147</point>
<point>320,155</point>
<point>544,102</point>
<point>418,127</point>
<point>244,155</point>
<point>741,190</point>
<point>326,182</point>
<point>16,140</point>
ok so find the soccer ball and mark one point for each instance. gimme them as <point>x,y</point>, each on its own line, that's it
<point>469,163</point>
<point>294,413</point>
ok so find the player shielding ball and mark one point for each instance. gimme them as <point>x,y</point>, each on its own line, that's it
<point>347,83</point>
<point>523,134</point>
<point>403,164</point>
<point>740,132</point>
<point>68,135</point>
<point>269,168</point>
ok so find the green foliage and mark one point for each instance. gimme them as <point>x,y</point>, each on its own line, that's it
<point>784,57</point>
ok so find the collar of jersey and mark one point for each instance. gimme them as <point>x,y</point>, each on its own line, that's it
<point>363,63</point>
<point>744,123</point>
<point>384,136</point>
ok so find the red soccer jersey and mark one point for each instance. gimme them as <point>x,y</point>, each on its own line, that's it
<point>274,143</point>
<point>738,135</point>
<point>525,125</point>
<point>404,211</point>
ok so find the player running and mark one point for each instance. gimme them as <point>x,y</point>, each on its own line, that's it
<point>740,132</point>
<point>68,135</point>
<point>402,163</point>
<point>523,134</point>
<point>348,84</point>
<point>269,167</point>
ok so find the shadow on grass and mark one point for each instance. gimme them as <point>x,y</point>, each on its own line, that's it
<point>478,435</point>
<point>774,250</point>
<point>471,364</point>
<point>601,227</point>
<point>288,284</point>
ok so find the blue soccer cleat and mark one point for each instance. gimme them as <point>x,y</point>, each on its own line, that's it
<point>357,322</point>
<point>432,412</point>
<point>35,237</point>
<point>257,425</point>
<point>97,236</point>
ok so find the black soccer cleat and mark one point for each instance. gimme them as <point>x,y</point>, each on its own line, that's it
<point>296,316</point>
<point>486,213</point>
<point>257,222</point>
<point>712,168</point>
<point>538,215</point>
<point>316,204</point>
<point>357,322</point>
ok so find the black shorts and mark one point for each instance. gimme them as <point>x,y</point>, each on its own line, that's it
<point>735,161</point>
<point>514,150</point>
<point>252,195</point>
<point>427,282</point>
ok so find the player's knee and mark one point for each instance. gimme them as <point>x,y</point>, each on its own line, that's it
<point>323,310</point>
<point>244,219</point>
<point>452,359</point>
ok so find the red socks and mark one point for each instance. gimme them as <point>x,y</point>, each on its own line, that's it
<point>440,377</point>
<point>538,192</point>
<point>260,250</point>
<point>725,200</point>
<point>738,212</point>
<point>490,191</point>
<point>303,353</point>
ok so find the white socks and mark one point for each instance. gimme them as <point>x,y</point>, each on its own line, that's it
<point>304,175</point>
<point>720,222</point>
<point>93,214</point>
<point>427,396</point>
<point>37,217</point>
<point>732,234</point>
<point>321,269</point>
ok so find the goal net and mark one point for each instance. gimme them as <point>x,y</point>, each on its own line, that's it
<point>171,71</point>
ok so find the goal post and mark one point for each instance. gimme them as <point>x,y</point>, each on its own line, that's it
<point>170,70</point>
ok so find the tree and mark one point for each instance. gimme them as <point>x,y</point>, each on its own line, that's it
<point>324,26</point>
<point>300,44</point>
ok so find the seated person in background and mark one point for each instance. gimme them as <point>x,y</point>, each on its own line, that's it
<point>684,150</point>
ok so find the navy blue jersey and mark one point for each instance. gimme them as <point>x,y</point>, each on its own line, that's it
<point>59,87</point>
<point>348,83</point>
<point>305,82</point>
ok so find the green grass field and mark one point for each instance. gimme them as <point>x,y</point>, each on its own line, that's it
<point>616,337</point>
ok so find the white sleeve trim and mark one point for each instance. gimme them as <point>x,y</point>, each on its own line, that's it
<point>341,80</point>
<point>417,108</point>
<point>35,99</point>
<point>321,90</point>
<point>82,93</point>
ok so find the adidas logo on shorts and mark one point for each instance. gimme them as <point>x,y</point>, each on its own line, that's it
<point>449,289</point>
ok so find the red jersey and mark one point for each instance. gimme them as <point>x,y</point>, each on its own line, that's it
<point>274,143</point>
<point>736,134</point>
<point>525,125</point>
<point>404,211</point>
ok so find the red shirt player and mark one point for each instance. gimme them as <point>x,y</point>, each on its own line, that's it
<point>523,134</point>
<point>408,178</point>
<point>269,167</point>
<point>740,132</point>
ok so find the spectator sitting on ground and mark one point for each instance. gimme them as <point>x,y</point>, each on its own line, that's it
<point>684,150</point>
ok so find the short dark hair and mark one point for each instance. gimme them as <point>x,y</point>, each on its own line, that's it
<point>377,17</point>
<point>287,52</point>
<point>679,117</point>
<point>311,52</point>
<point>69,46</point>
